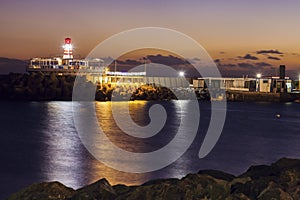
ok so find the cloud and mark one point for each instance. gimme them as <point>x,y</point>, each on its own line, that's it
<point>130,62</point>
<point>222,52</point>
<point>273,58</point>
<point>217,60</point>
<point>271,51</point>
<point>177,63</point>
<point>166,60</point>
<point>229,65</point>
<point>295,54</point>
<point>263,64</point>
<point>226,65</point>
<point>220,64</point>
<point>254,65</point>
<point>248,57</point>
<point>246,65</point>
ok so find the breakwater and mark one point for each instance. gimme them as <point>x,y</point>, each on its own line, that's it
<point>39,87</point>
<point>36,87</point>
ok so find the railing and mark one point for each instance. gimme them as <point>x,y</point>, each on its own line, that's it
<point>30,69</point>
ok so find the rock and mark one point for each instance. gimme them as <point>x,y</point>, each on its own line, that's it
<point>98,190</point>
<point>123,191</point>
<point>251,189</point>
<point>280,180</point>
<point>273,191</point>
<point>45,191</point>
<point>260,171</point>
<point>287,163</point>
<point>193,186</point>
<point>218,174</point>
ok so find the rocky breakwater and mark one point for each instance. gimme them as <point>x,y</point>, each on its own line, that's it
<point>40,87</point>
<point>149,92</point>
<point>36,87</point>
<point>280,180</point>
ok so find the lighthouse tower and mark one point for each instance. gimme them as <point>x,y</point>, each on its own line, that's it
<point>68,54</point>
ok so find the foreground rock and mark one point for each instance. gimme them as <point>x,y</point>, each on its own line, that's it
<point>52,190</point>
<point>281,180</point>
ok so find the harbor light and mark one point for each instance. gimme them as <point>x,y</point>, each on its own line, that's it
<point>181,73</point>
<point>258,75</point>
<point>299,83</point>
<point>68,49</point>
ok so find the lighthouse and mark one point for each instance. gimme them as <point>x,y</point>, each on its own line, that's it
<point>68,54</point>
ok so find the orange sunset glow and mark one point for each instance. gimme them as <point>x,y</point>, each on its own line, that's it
<point>233,32</point>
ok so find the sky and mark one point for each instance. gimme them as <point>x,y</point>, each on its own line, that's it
<point>238,34</point>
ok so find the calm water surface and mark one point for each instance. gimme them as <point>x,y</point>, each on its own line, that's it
<point>39,142</point>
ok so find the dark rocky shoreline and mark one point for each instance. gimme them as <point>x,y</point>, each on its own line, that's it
<point>280,180</point>
<point>40,87</point>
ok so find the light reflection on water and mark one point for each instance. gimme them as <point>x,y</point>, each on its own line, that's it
<point>63,149</point>
<point>67,160</point>
<point>39,142</point>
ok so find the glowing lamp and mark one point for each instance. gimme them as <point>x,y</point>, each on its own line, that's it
<point>258,75</point>
<point>67,40</point>
<point>181,74</point>
<point>68,49</point>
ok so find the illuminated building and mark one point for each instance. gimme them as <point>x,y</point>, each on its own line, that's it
<point>65,65</point>
<point>68,49</point>
<point>95,71</point>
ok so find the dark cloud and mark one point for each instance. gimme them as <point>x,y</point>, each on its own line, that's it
<point>166,60</point>
<point>246,65</point>
<point>273,58</point>
<point>254,65</point>
<point>220,64</point>
<point>248,57</point>
<point>222,52</point>
<point>129,62</point>
<point>263,64</point>
<point>229,65</point>
<point>295,54</point>
<point>177,63</point>
<point>271,51</point>
<point>226,65</point>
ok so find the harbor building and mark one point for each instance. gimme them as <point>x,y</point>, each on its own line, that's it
<point>238,84</point>
<point>65,65</point>
<point>95,70</point>
<point>262,84</point>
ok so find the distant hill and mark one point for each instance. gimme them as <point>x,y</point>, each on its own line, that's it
<point>8,65</point>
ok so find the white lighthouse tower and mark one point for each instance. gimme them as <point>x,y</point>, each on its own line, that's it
<point>68,49</point>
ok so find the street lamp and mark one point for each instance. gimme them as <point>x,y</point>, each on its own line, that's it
<point>181,73</point>
<point>299,83</point>
<point>258,76</point>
